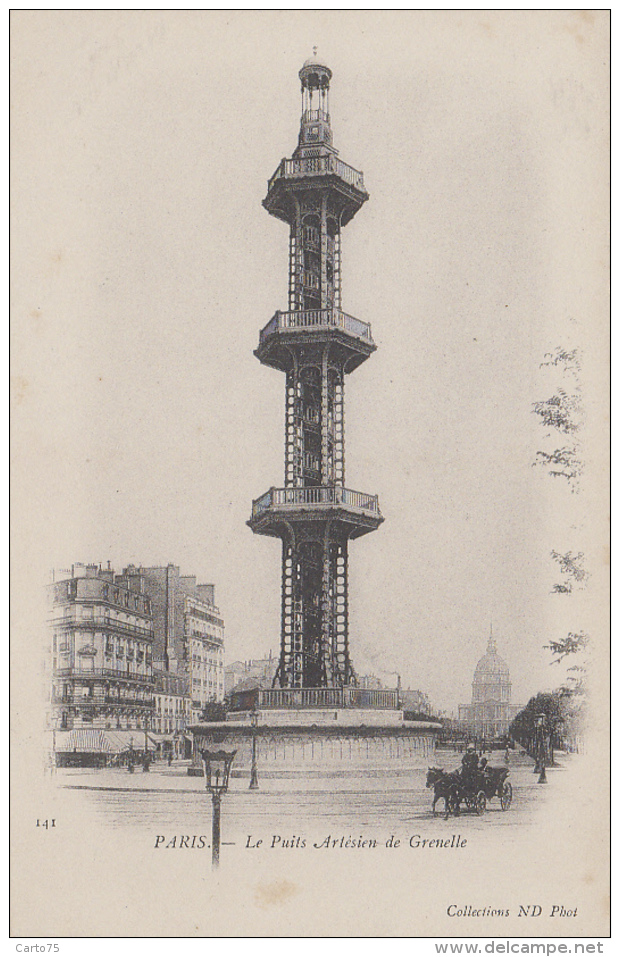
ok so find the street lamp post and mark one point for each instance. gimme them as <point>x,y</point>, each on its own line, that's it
<point>217,765</point>
<point>540,768</point>
<point>254,771</point>
<point>146,764</point>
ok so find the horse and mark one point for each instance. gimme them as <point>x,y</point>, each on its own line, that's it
<point>446,785</point>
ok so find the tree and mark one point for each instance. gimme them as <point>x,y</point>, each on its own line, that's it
<point>573,573</point>
<point>213,711</point>
<point>573,643</point>
<point>561,416</point>
<point>551,704</point>
<point>562,413</point>
<point>562,463</point>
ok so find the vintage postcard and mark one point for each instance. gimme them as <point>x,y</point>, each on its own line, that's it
<point>310,466</point>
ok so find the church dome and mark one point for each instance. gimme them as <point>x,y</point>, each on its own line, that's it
<point>491,663</point>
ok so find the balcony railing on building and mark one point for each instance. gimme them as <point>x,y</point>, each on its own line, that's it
<point>315,495</point>
<point>287,698</point>
<point>104,672</point>
<point>318,166</point>
<point>102,623</point>
<point>316,319</point>
<point>84,701</point>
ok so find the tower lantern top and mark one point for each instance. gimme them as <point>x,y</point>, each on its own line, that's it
<point>314,75</point>
<point>315,122</point>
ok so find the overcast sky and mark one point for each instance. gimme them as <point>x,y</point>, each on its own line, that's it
<point>145,268</point>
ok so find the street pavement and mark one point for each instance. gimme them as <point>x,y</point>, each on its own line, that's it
<point>168,801</point>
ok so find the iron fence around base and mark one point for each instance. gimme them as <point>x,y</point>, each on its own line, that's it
<point>264,699</point>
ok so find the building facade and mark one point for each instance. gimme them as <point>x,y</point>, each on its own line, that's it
<point>173,711</point>
<point>188,633</point>
<point>491,712</point>
<point>101,651</point>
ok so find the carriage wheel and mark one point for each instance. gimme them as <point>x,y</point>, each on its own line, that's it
<point>505,798</point>
<point>481,802</point>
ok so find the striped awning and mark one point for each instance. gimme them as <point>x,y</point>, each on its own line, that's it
<point>94,741</point>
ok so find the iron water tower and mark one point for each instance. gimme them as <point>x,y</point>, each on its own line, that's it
<point>316,345</point>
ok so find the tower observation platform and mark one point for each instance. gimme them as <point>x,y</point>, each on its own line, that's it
<point>316,345</point>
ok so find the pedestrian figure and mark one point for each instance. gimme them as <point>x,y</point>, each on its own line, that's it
<point>169,758</point>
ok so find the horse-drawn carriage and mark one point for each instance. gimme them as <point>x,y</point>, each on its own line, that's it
<point>453,789</point>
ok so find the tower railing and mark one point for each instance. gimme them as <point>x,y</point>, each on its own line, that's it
<point>311,116</point>
<point>314,495</point>
<point>321,166</point>
<point>287,698</point>
<point>316,318</point>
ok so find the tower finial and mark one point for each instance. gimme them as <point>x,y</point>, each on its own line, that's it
<point>314,50</point>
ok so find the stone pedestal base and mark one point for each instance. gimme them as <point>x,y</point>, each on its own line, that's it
<point>305,742</point>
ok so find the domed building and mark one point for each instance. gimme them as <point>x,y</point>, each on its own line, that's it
<point>490,713</point>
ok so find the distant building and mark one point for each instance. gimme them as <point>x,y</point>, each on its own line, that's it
<point>255,673</point>
<point>188,633</point>
<point>490,713</point>
<point>101,652</point>
<point>416,701</point>
<point>410,700</point>
<point>369,681</point>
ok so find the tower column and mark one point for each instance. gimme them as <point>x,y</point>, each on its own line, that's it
<point>326,301</point>
<point>325,476</point>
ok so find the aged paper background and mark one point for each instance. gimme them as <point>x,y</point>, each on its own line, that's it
<point>143,268</point>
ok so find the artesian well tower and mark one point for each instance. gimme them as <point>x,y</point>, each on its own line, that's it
<point>315,719</point>
<point>316,345</point>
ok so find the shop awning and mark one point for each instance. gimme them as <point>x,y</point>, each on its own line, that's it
<point>94,741</point>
